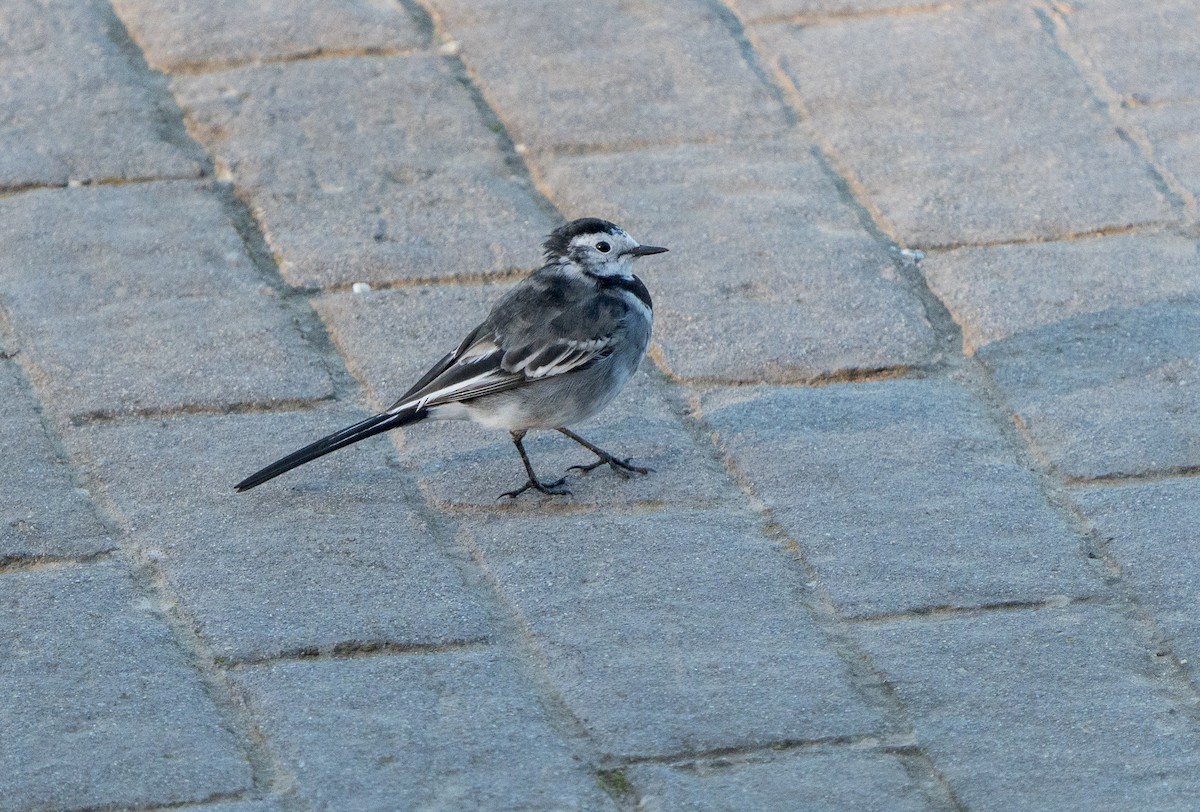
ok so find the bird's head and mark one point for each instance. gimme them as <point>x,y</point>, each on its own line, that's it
<point>596,247</point>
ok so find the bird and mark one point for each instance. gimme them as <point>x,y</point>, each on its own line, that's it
<point>554,351</point>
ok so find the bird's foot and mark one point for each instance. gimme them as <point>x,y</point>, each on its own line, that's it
<point>550,488</point>
<point>622,467</point>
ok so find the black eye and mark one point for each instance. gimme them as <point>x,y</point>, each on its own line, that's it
<point>603,247</point>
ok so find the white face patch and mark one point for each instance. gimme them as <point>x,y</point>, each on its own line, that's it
<point>589,255</point>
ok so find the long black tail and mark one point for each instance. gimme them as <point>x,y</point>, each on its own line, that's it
<point>339,439</point>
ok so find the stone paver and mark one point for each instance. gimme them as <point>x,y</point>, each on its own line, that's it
<point>460,731</point>
<point>871,569</point>
<point>332,555</point>
<point>1055,709</point>
<point>212,33</point>
<point>1094,342</point>
<point>757,227</point>
<point>75,106</point>
<point>821,782</point>
<point>650,72</point>
<point>1151,531</point>
<point>673,632</point>
<point>999,292</point>
<point>42,512</point>
<point>101,707</point>
<point>266,805</point>
<point>1148,54</point>
<point>142,298</point>
<point>966,126</point>
<point>403,180</point>
<point>902,495</point>
<point>391,338</point>
<point>1110,395</point>
<point>770,10</point>
<point>1174,131</point>
<point>1146,51</point>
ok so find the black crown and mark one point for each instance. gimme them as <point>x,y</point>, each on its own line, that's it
<point>559,241</point>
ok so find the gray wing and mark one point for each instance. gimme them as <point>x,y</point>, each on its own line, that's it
<point>548,325</point>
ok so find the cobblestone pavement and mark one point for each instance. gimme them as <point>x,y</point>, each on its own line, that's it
<point>923,407</point>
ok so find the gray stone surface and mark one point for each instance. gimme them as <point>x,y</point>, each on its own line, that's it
<point>966,126</point>
<point>821,782</point>
<point>330,555</point>
<point>142,298</point>
<point>1053,709</point>
<point>1147,51</point>
<point>403,180</point>
<point>390,338</point>
<point>1093,341</point>
<point>385,633</point>
<point>101,708</point>
<point>902,495</point>
<point>999,292</point>
<point>446,731</point>
<point>1174,131</point>
<point>770,10</point>
<point>42,512</point>
<point>1109,394</point>
<point>771,277</point>
<point>263,805</point>
<point>673,632</point>
<point>611,72</point>
<point>77,106</point>
<point>1151,530</point>
<point>214,33</point>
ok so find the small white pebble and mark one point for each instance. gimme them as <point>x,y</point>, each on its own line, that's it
<point>449,48</point>
<point>520,149</point>
<point>360,287</point>
<point>74,183</point>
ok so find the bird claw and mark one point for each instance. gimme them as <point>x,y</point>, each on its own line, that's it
<point>586,468</point>
<point>625,465</point>
<point>622,467</point>
<point>549,488</point>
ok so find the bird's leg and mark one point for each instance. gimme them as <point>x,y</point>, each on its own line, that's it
<point>552,488</point>
<point>620,466</point>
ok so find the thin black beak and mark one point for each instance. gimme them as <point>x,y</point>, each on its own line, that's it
<point>646,250</point>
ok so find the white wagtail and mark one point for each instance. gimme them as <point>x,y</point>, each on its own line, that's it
<point>553,352</point>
